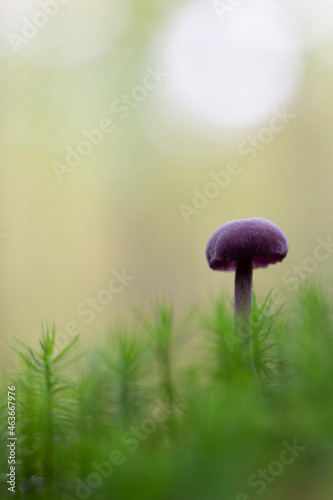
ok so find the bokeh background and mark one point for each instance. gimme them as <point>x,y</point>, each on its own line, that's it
<point>187,86</point>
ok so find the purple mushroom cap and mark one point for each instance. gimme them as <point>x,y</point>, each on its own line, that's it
<point>260,239</point>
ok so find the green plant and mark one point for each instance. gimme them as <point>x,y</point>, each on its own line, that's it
<point>129,421</point>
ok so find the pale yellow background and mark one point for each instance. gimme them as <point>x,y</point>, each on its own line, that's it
<point>120,208</point>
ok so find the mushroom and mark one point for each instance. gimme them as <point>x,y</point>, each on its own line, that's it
<point>243,245</point>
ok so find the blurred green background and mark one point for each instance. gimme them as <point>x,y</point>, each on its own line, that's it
<point>202,77</point>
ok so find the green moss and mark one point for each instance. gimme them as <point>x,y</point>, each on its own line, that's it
<point>171,410</point>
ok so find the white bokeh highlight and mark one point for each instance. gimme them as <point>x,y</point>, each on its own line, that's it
<point>228,71</point>
<point>60,33</point>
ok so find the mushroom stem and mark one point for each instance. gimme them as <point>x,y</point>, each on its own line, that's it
<point>243,308</point>
<point>243,298</point>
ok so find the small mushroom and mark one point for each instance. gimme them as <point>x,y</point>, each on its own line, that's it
<point>243,245</point>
